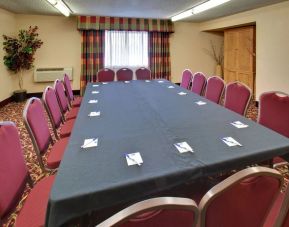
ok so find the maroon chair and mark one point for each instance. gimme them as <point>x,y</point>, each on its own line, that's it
<point>14,177</point>
<point>37,127</point>
<point>187,77</point>
<point>74,101</point>
<point>63,101</point>
<point>162,211</point>
<point>274,114</point>
<point>215,88</point>
<point>143,74</point>
<point>198,83</point>
<point>54,113</point>
<point>237,97</point>
<point>243,199</point>
<point>124,74</point>
<point>105,75</point>
<point>279,215</point>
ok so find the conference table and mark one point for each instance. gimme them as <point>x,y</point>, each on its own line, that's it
<point>149,118</point>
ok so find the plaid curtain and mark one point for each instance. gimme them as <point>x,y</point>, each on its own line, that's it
<point>92,56</point>
<point>159,55</point>
<point>123,24</point>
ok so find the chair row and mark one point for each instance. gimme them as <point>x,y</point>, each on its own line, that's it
<point>123,74</point>
<point>243,199</point>
<point>273,108</point>
<point>62,110</point>
<point>237,95</point>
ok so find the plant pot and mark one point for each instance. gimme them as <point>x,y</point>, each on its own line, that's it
<point>19,95</point>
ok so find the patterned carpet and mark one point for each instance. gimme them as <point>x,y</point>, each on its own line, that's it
<point>13,112</point>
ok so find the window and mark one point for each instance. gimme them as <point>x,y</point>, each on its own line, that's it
<point>126,49</point>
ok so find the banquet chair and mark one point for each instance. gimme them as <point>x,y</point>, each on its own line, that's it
<point>215,89</point>
<point>279,215</point>
<point>53,109</point>
<point>14,177</point>
<point>274,114</point>
<point>161,211</point>
<point>143,74</point>
<point>37,127</point>
<point>63,101</point>
<point>187,76</point>
<point>73,101</point>
<point>124,74</point>
<point>237,97</point>
<point>105,75</point>
<point>243,199</point>
<point>198,83</point>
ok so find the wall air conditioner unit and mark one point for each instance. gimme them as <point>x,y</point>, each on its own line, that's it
<point>51,74</point>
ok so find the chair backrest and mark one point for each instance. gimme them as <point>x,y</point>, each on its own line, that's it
<point>274,111</point>
<point>124,74</point>
<point>162,211</point>
<point>237,97</point>
<point>105,75</point>
<point>243,199</point>
<point>215,88</point>
<point>143,74</point>
<point>52,106</point>
<point>61,97</point>
<point>68,88</point>
<point>198,83</point>
<point>37,127</point>
<point>187,77</point>
<point>13,171</point>
<point>282,211</point>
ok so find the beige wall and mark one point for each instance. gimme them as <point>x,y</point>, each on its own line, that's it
<point>272,45</point>
<point>187,46</point>
<point>61,46</point>
<point>7,79</point>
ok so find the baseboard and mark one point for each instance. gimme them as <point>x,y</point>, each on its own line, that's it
<point>6,101</point>
<point>29,95</point>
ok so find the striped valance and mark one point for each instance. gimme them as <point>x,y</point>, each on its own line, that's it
<point>123,24</point>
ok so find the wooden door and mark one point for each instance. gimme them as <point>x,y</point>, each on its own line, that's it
<point>239,55</point>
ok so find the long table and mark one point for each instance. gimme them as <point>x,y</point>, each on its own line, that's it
<point>149,117</point>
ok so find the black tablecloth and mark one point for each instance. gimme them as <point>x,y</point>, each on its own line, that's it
<point>149,117</point>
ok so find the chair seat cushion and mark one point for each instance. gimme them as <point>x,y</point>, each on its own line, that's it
<point>66,128</point>
<point>33,211</point>
<point>72,114</point>
<point>76,102</point>
<point>56,153</point>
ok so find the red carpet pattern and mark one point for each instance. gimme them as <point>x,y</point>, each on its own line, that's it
<point>13,112</point>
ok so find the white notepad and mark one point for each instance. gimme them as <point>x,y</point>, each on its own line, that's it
<point>94,114</point>
<point>201,103</point>
<point>161,81</point>
<point>231,142</point>
<point>147,81</point>
<point>133,159</point>
<point>127,82</point>
<point>183,147</point>
<point>93,101</point>
<point>104,82</point>
<point>93,142</point>
<point>95,85</point>
<point>94,92</point>
<point>239,124</point>
<point>171,87</point>
<point>182,93</point>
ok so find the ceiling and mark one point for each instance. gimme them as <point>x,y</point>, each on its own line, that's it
<point>134,8</point>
